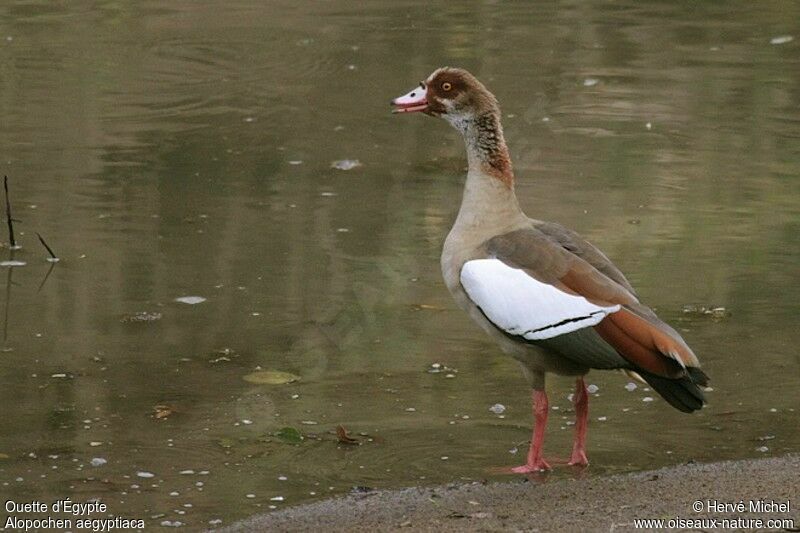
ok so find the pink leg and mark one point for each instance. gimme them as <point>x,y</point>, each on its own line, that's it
<point>535,461</point>
<point>581,401</point>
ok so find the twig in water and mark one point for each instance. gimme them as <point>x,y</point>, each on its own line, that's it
<point>11,240</point>
<point>53,257</point>
<point>46,277</point>
<point>9,283</point>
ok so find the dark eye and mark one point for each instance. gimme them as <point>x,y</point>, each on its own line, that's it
<point>446,86</point>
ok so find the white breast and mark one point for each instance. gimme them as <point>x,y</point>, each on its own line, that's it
<point>521,305</point>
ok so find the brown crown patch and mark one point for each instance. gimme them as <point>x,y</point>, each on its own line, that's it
<point>462,88</point>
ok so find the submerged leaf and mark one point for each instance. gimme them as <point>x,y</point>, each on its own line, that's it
<point>225,442</point>
<point>290,435</point>
<point>271,377</point>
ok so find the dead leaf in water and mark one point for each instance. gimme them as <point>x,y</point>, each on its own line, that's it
<point>271,377</point>
<point>161,412</point>
<point>344,438</point>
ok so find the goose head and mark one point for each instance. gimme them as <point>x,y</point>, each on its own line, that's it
<point>450,93</point>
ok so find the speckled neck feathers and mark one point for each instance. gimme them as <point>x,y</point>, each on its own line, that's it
<point>486,146</point>
<point>491,149</point>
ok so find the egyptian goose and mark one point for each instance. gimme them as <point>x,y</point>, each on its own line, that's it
<point>550,299</point>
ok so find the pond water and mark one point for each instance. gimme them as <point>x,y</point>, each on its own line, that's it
<point>183,149</point>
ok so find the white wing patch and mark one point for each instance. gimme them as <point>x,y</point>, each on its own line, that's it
<point>524,306</point>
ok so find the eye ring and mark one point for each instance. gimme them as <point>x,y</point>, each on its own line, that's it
<point>446,86</point>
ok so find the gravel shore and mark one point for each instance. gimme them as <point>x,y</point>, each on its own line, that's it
<point>597,504</point>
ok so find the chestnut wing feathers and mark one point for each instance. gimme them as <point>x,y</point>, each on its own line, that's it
<point>574,243</point>
<point>552,255</point>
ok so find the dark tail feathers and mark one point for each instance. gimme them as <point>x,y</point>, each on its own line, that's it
<point>683,393</point>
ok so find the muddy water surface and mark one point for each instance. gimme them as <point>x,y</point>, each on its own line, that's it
<point>171,150</point>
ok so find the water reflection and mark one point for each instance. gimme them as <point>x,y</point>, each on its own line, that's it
<point>186,150</point>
